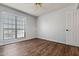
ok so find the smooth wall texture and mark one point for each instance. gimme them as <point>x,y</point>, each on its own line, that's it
<point>52,26</point>
<point>30,27</point>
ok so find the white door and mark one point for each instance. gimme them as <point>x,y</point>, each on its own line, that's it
<point>72,28</point>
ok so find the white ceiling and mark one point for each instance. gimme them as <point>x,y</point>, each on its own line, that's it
<point>37,11</point>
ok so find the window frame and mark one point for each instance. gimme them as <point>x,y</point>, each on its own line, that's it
<point>15,29</point>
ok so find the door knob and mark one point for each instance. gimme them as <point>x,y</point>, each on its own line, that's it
<point>67,30</point>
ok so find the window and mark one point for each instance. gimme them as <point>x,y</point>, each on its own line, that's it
<point>20,27</point>
<point>13,26</point>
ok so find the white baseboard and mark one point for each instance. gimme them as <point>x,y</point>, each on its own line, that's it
<point>4,42</point>
<point>59,42</point>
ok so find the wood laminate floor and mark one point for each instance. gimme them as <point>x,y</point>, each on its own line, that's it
<point>38,47</point>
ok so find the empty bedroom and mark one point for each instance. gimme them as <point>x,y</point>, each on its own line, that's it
<point>39,29</point>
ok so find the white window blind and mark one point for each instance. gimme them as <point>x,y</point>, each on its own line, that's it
<point>11,26</point>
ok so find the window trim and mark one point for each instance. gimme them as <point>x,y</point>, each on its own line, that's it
<point>16,30</point>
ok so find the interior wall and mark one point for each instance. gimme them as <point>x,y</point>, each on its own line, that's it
<point>30,25</point>
<point>52,26</point>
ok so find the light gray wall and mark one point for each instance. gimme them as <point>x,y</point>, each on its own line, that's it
<point>30,25</point>
<point>52,26</point>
